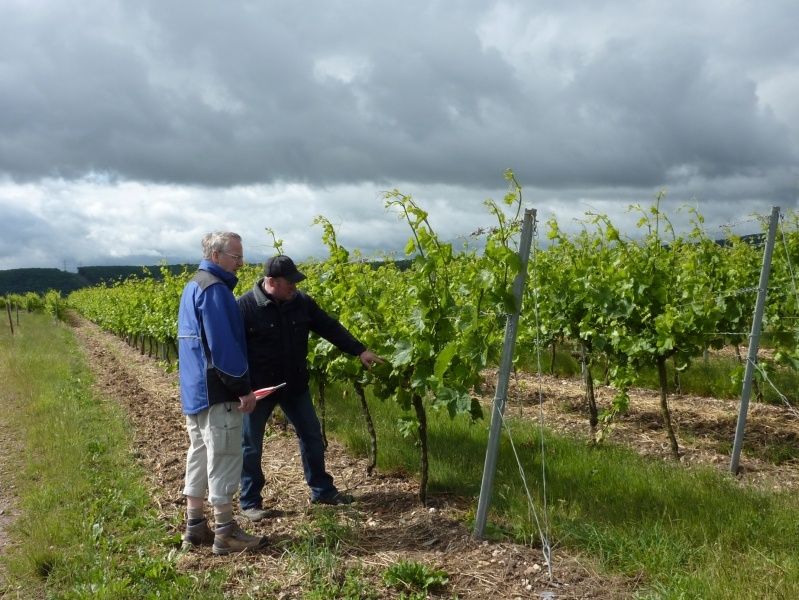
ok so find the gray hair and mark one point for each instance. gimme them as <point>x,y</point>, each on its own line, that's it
<point>217,241</point>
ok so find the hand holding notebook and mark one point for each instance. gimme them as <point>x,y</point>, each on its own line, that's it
<point>264,392</point>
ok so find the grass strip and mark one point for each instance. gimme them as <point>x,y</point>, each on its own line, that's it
<point>683,533</point>
<point>87,528</point>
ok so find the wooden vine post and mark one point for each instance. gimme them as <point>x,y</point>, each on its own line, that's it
<point>10,322</point>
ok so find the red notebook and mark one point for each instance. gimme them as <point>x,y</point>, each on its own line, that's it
<point>264,392</point>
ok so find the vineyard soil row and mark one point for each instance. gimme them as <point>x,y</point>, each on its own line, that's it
<point>390,524</point>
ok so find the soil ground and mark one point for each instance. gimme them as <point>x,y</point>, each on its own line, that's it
<point>705,427</point>
<point>10,449</point>
<point>389,522</point>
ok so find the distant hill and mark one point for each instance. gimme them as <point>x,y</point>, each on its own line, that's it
<point>96,275</point>
<point>20,281</point>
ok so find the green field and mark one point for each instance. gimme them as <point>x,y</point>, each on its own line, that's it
<point>88,528</point>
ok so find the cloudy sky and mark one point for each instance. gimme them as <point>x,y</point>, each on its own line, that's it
<point>128,128</point>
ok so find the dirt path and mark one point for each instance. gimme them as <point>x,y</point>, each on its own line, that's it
<point>10,449</point>
<point>390,524</point>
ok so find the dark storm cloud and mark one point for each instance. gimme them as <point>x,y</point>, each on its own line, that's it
<point>128,129</point>
<point>226,93</point>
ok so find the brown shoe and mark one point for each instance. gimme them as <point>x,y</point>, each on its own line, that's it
<point>198,535</point>
<point>230,538</point>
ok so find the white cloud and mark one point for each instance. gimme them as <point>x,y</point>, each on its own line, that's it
<point>344,69</point>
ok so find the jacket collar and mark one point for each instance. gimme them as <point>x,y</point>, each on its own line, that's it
<point>264,299</point>
<point>229,279</point>
<point>261,299</point>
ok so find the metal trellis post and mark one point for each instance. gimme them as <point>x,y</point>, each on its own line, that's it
<point>503,377</point>
<point>754,340</point>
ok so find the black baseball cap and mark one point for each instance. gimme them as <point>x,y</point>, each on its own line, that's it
<point>283,266</point>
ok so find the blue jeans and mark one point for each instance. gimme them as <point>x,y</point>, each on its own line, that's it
<point>300,412</point>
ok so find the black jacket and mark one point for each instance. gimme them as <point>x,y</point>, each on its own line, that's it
<point>277,338</point>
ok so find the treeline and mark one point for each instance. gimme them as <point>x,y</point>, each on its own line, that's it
<point>39,281</point>
<point>98,275</point>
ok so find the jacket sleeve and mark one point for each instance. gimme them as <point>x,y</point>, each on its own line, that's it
<point>333,331</point>
<point>224,334</point>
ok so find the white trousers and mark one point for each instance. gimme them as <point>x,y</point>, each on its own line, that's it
<point>213,462</point>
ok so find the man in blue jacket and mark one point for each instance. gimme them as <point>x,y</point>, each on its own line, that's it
<point>214,392</point>
<point>277,321</point>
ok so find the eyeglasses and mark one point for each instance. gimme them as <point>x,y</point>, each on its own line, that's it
<point>236,257</point>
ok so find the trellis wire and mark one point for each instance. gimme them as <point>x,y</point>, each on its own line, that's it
<point>546,548</point>
<point>782,396</point>
<point>731,224</point>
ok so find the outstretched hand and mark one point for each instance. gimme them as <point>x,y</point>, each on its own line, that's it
<point>369,359</point>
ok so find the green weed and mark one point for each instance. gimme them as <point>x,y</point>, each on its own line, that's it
<point>317,553</point>
<point>87,528</point>
<point>414,577</point>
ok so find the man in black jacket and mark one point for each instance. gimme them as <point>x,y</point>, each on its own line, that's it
<point>278,320</point>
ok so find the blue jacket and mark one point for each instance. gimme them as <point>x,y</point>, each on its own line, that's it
<point>211,345</point>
